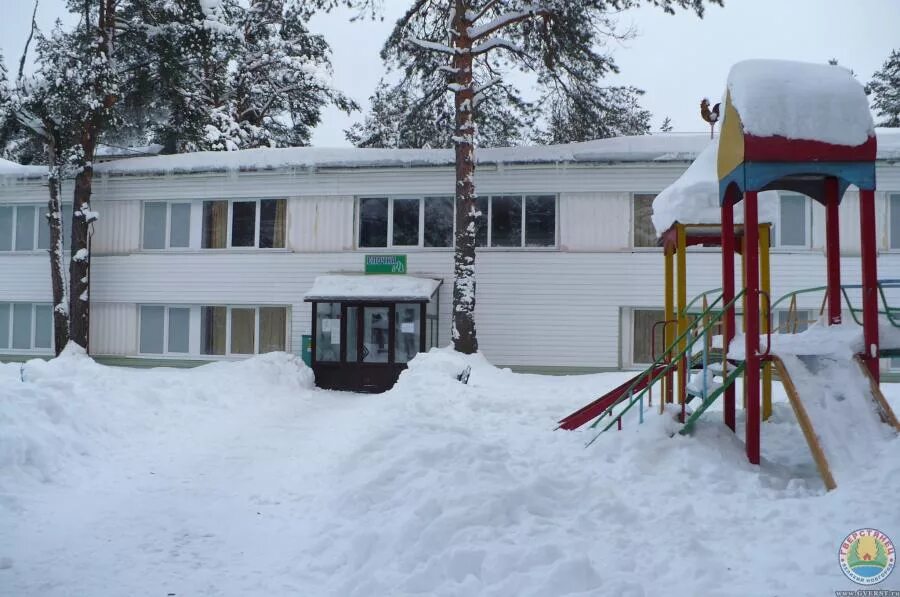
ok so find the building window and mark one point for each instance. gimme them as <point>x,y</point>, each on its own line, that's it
<point>793,226</point>
<point>505,221</point>
<point>894,363</point>
<point>643,232</point>
<point>165,330</point>
<point>26,326</point>
<point>25,227</point>
<point>244,224</point>
<point>793,323</point>
<point>242,330</point>
<point>643,321</point>
<point>894,219</point>
<point>167,225</point>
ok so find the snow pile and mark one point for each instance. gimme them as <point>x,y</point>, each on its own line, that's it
<point>363,287</point>
<point>837,341</point>
<point>237,479</point>
<point>800,100</point>
<point>53,413</point>
<point>694,197</point>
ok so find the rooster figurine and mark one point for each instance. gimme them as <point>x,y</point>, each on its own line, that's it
<point>710,116</point>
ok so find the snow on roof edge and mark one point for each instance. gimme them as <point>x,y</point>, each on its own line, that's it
<point>371,287</point>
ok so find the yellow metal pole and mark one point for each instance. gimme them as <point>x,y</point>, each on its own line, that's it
<point>765,284</point>
<point>681,256</point>
<point>669,299</point>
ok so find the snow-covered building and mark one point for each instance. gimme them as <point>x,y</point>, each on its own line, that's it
<point>210,255</point>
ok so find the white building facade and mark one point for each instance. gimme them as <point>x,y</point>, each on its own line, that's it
<point>209,256</point>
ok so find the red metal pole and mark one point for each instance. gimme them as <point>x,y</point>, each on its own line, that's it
<point>751,319</point>
<point>728,295</point>
<point>833,249</point>
<point>869,280</point>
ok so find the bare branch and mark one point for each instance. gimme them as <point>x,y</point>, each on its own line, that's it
<point>28,41</point>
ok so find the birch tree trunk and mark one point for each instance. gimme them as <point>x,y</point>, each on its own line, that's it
<point>463,332</point>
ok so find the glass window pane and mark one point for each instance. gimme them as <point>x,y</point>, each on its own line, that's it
<point>152,329</point>
<point>481,222</point>
<point>540,221</point>
<point>215,218</point>
<point>406,222</point>
<point>895,363</point>
<point>180,225</point>
<point>212,330</point>
<point>439,222</point>
<point>243,331</point>
<point>352,335</point>
<point>792,228</point>
<point>25,228</point>
<point>375,335</point>
<point>895,221</point>
<point>179,329</point>
<point>243,224</point>
<point>506,221</point>
<point>21,336</point>
<point>43,227</point>
<point>644,232</point>
<point>373,222</point>
<point>5,311</point>
<point>67,226</point>
<point>272,329</point>
<point>154,225</point>
<point>6,228</point>
<point>644,321</point>
<point>328,332</point>
<point>271,223</point>
<point>407,332</point>
<point>43,326</point>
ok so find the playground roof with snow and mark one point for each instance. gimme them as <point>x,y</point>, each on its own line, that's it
<point>668,147</point>
<point>371,288</point>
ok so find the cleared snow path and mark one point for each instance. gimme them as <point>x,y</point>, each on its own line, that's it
<point>239,479</point>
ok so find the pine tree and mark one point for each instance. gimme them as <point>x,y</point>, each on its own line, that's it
<point>666,126</point>
<point>885,90</point>
<point>473,42</point>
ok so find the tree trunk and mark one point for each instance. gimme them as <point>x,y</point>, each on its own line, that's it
<point>54,220</point>
<point>464,338</point>
<point>79,266</point>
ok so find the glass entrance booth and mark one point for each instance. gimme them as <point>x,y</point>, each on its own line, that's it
<point>366,328</point>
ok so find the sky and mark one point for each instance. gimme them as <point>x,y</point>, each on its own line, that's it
<point>677,60</point>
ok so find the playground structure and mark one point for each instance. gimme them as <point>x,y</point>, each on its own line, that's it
<point>755,155</point>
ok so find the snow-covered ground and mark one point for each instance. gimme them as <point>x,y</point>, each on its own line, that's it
<point>242,479</point>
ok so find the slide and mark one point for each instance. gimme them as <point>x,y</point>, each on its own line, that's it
<point>593,410</point>
<point>842,413</point>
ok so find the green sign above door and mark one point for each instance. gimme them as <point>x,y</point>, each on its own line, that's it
<point>385,264</point>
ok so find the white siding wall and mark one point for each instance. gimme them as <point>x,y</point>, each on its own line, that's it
<point>594,221</point>
<point>118,231</point>
<point>114,328</point>
<point>321,223</point>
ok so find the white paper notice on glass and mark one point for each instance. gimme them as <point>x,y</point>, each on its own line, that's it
<point>334,326</point>
<point>408,328</point>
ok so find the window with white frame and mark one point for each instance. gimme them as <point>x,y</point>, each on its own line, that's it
<point>792,322</point>
<point>167,225</point>
<point>643,233</point>
<point>794,222</point>
<point>642,338</point>
<point>506,221</point>
<point>244,223</point>
<point>25,227</point>
<point>242,330</point>
<point>165,330</point>
<point>26,327</point>
<point>894,363</point>
<point>212,330</point>
<point>894,220</point>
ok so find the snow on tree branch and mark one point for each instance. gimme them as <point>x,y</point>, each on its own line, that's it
<point>434,46</point>
<point>497,42</point>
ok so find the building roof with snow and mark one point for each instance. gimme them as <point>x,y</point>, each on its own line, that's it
<point>14,170</point>
<point>361,287</point>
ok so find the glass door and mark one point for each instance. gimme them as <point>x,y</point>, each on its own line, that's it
<point>376,335</point>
